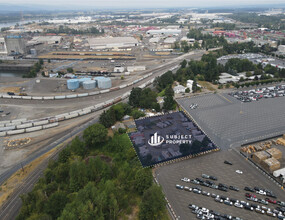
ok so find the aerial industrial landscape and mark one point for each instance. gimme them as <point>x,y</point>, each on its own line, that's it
<point>150,113</point>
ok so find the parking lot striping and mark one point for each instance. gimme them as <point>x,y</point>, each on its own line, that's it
<point>225,98</point>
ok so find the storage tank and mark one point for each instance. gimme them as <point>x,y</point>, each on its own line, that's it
<point>91,84</point>
<point>72,84</point>
<point>103,82</point>
<point>82,80</point>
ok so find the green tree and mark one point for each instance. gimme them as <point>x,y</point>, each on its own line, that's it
<point>55,204</point>
<point>187,90</point>
<point>143,180</point>
<point>135,97</point>
<point>95,135</point>
<point>69,70</point>
<point>153,204</point>
<point>169,103</point>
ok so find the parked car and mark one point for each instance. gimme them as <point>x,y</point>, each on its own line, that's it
<point>238,205</point>
<point>227,162</point>
<point>213,178</point>
<point>205,176</point>
<point>185,179</point>
<point>239,171</point>
<point>234,188</point>
<point>179,186</point>
<point>248,189</point>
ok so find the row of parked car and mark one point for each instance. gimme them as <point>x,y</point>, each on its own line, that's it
<point>256,94</point>
<point>209,183</point>
<point>278,212</point>
<point>260,191</point>
<point>204,213</point>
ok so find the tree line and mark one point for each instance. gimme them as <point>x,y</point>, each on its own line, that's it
<point>95,177</point>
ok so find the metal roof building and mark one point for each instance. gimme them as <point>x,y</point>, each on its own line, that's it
<point>112,42</point>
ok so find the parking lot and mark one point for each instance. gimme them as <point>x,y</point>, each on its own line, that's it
<point>259,93</point>
<point>229,122</point>
<point>213,164</point>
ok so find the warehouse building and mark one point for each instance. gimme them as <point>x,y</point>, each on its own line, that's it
<point>15,45</point>
<point>50,40</point>
<point>164,32</point>
<point>281,48</point>
<point>112,42</point>
<point>3,49</point>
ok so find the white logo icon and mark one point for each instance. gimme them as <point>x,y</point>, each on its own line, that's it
<point>155,140</point>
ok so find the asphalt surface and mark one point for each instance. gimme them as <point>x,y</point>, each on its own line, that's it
<point>230,123</point>
<point>212,164</point>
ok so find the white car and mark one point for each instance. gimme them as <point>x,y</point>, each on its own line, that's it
<point>238,205</point>
<point>239,171</point>
<point>261,192</point>
<point>187,180</point>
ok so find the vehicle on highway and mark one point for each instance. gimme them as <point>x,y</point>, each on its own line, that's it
<point>23,94</point>
<point>239,171</point>
<point>10,93</point>
<point>187,180</point>
<point>179,186</point>
<point>227,162</point>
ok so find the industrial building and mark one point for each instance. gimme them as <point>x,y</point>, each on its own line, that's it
<point>15,45</point>
<point>281,48</point>
<point>49,40</point>
<point>164,32</point>
<point>112,42</point>
<point>3,49</point>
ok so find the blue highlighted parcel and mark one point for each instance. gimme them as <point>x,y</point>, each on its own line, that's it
<point>166,137</point>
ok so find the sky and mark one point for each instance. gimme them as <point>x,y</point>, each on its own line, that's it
<point>144,3</point>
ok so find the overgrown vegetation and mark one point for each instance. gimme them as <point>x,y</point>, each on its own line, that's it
<point>35,69</point>
<point>95,178</point>
<point>66,30</point>
<point>272,22</point>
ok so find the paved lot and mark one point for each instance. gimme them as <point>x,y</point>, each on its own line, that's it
<point>229,122</point>
<point>212,164</point>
